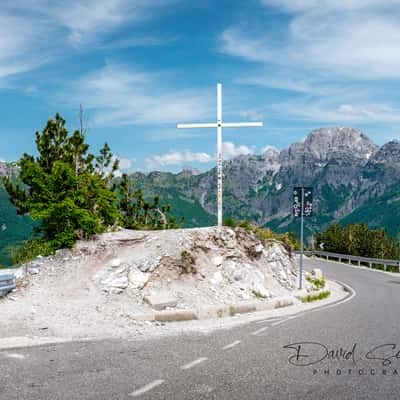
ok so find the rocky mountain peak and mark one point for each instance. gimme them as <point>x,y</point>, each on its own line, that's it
<point>388,153</point>
<point>7,169</point>
<point>270,152</point>
<point>328,143</point>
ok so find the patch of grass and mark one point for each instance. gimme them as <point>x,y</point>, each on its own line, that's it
<point>314,297</point>
<point>30,250</point>
<point>317,283</point>
<point>264,234</point>
<point>258,295</point>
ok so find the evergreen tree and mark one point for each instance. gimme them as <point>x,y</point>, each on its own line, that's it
<point>137,213</point>
<point>359,240</point>
<point>65,188</point>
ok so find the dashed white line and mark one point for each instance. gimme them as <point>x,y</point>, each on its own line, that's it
<point>284,320</point>
<point>14,355</point>
<point>272,319</point>
<point>146,388</point>
<point>233,344</point>
<point>260,330</point>
<point>194,363</point>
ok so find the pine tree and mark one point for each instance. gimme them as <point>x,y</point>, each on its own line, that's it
<point>65,188</point>
<point>137,213</point>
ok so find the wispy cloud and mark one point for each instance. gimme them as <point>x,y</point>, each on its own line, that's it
<point>230,150</point>
<point>35,33</point>
<point>122,95</point>
<point>335,57</point>
<point>185,157</point>
<point>176,158</point>
<point>328,5</point>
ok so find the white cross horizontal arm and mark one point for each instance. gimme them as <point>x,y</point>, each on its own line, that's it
<point>190,126</point>
<point>240,124</point>
<point>224,125</point>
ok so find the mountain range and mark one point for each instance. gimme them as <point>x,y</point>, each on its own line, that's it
<point>354,180</point>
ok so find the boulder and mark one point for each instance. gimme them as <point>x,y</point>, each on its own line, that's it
<point>217,278</point>
<point>161,300</point>
<point>120,283</point>
<point>260,290</point>
<point>218,260</point>
<point>33,271</point>
<point>137,278</point>
<point>317,273</point>
<point>115,263</point>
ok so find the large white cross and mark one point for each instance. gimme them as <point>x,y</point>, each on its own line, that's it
<point>219,125</point>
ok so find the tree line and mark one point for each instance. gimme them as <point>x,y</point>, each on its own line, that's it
<point>359,240</point>
<point>74,194</point>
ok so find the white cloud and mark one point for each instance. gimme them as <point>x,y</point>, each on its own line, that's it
<point>337,5</point>
<point>125,163</point>
<point>230,150</point>
<point>327,38</point>
<point>324,111</point>
<point>339,59</point>
<point>251,115</point>
<point>121,95</point>
<point>33,33</point>
<point>185,157</point>
<point>177,158</point>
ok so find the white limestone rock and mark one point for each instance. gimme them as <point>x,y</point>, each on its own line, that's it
<point>137,279</point>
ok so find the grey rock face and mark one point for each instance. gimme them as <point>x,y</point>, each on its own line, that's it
<point>388,153</point>
<point>343,165</point>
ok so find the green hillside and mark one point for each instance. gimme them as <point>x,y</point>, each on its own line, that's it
<point>383,211</point>
<point>14,228</point>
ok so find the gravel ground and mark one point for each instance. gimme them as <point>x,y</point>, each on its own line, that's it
<point>94,289</point>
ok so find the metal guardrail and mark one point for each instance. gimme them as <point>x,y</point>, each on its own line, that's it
<point>6,284</point>
<point>356,259</point>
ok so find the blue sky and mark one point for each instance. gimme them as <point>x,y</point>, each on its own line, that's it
<point>138,67</point>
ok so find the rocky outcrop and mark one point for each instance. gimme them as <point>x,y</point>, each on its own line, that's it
<point>195,267</point>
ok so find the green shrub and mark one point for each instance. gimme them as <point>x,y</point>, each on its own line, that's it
<point>30,250</point>
<point>317,283</point>
<point>313,297</point>
<point>265,234</point>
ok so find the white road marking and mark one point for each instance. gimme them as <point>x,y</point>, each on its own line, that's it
<point>229,346</point>
<point>260,330</point>
<point>194,363</point>
<point>284,320</point>
<point>14,355</point>
<point>345,300</point>
<point>271,319</point>
<point>342,301</point>
<point>146,388</point>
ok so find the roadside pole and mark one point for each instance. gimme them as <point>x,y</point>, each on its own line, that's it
<point>301,240</point>
<point>302,207</point>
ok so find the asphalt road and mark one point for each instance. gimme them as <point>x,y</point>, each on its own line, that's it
<point>354,354</point>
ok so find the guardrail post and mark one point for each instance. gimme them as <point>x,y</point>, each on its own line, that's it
<point>359,263</point>
<point>399,267</point>
<point>384,267</point>
<point>349,261</point>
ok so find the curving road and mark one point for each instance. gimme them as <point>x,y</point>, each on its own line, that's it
<point>349,351</point>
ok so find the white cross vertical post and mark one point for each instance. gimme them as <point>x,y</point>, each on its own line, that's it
<point>219,152</point>
<point>219,125</point>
